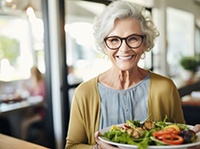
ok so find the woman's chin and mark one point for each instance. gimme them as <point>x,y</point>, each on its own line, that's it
<point>126,68</point>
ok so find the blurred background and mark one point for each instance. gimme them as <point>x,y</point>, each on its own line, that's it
<point>57,37</point>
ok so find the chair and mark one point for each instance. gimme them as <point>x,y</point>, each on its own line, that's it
<point>191,113</point>
<point>186,90</point>
<point>36,133</point>
<point>5,126</point>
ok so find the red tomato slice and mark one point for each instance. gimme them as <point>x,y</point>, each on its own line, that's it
<point>160,137</point>
<point>173,130</point>
<point>172,139</point>
<point>161,132</point>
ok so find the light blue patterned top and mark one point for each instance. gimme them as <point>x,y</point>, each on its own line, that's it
<point>117,106</point>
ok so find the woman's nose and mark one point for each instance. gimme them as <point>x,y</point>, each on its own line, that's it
<point>124,46</point>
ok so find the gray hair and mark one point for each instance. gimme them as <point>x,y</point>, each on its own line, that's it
<point>104,23</point>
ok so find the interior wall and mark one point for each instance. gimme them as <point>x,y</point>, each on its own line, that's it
<point>186,5</point>
<point>159,15</point>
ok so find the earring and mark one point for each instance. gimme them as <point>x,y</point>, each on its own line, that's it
<point>105,57</point>
<point>143,56</point>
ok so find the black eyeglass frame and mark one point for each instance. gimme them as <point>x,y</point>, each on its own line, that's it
<point>121,39</point>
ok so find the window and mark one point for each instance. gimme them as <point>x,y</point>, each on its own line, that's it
<point>21,45</point>
<point>81,52</point>
<point>15,57</point>
<point>180,35</point>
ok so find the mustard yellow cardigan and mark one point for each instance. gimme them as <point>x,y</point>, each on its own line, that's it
<point>163,99</point>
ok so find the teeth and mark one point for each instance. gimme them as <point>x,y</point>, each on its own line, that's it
<point>125,58</point>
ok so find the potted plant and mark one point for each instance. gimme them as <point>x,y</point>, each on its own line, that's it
<point>189,65</point>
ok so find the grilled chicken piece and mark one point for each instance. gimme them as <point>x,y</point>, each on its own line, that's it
<point>129,131</point>
<point>137,133</point>
<point>148,125</point>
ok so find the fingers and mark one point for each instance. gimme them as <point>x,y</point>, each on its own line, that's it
<point>102,145</point>
<point>197,128</point>
<point>96,138</point>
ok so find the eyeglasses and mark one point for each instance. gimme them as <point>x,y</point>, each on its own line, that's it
<point>133,41</point>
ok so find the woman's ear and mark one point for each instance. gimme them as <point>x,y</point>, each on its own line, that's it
<point>105,50</point>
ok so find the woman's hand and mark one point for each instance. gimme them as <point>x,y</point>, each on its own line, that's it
<point>196,128</point>
<point>102,145</point>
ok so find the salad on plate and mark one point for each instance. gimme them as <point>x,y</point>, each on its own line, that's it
<point>148,133</point>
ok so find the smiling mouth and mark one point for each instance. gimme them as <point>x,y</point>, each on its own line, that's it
<point>125,57</point>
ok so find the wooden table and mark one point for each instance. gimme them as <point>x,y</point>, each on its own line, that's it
<point>15,112</point>
<point>7,142</point>
<point>25,104</point>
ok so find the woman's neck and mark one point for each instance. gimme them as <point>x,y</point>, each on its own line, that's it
<point>122,79</point>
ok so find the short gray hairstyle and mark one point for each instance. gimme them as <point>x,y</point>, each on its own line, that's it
<point>104,23</point>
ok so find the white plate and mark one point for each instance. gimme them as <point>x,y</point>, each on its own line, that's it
<point>128,146</point>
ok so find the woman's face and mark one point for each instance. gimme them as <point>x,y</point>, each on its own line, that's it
<point>125,58</point>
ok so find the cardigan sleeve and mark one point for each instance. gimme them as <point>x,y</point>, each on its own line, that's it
<point>84,117</point>
<point>164,100</point>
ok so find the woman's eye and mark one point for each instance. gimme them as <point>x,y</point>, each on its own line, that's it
<point>114,40</point>
<point>132,39</point>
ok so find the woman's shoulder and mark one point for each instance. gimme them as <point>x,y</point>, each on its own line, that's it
<point>88,86</point>
<point>89,82</point>
<point>86,92</point>
<point>160,79</point>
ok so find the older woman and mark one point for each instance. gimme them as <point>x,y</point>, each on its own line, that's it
<point>124,33</point>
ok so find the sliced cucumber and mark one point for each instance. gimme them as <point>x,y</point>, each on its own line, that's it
<point>158,142</point>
